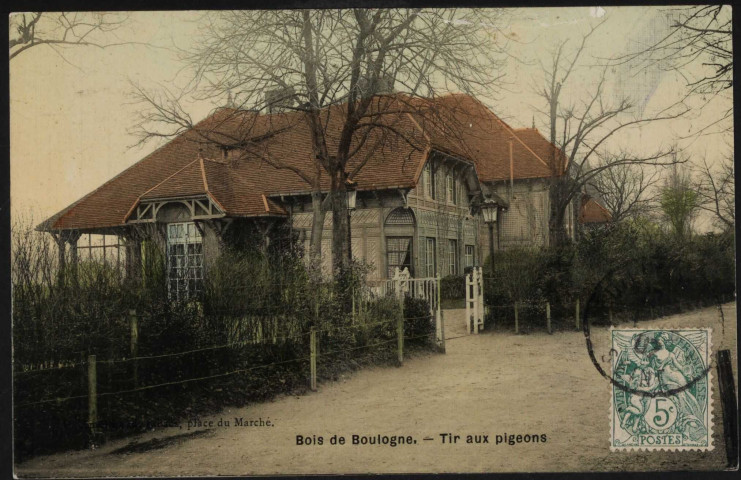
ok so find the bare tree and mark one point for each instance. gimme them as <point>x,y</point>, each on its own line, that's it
<point>61,29</point>
<point>335,68</point>
<point>699,47</point>
<point>626,189</point>
<point>716,190</point>
<point>679,201</point>
<point>582,129</point>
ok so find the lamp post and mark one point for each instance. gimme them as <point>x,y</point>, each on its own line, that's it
<point>490,210</point>
<point>351,198</point>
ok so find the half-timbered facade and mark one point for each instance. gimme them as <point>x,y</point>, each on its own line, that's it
<point>417,200</point>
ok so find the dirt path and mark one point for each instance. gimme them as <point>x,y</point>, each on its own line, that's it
<point>488,384</point>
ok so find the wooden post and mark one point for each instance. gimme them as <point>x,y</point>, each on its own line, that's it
<point>577,320</point>
<point>482,311</point>
<point>474,289</point>
<point>517,320</point>
<point>353,306</point>
<point>72,239</point>
<point>400,332</point>
<point>83,375</point>
<point>728,403</point>
<point>92,389</point>
<point>313,358</point>
<point>134,348</point>
<point>61,257</point>
<point>548,316</point>
<point>439,319</point>
<point>469,298</point>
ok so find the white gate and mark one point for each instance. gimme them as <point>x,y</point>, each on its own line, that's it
<point>475,301</point>
<point>425,288</point>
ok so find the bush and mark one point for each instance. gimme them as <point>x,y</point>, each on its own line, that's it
<point>419,326</point>
<point>628,268</point>
<point>248,332</point>
<point>453,287</point>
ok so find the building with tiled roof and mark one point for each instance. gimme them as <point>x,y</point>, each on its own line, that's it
<point>418,190</point>
<point>592,212</point>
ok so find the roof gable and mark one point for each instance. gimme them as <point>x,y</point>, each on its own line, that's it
<point>593,212</point>
<point>389,149</point>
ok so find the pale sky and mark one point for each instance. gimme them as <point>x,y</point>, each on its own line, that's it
<point>70,116</point>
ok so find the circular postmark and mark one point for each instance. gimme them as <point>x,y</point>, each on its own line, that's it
<point>651,344</point>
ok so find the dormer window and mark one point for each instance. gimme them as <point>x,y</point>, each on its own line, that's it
<point>429,179</point>
<point>451,190</point>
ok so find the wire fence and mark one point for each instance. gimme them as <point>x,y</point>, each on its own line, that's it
<point>429,335</point>
<point>572,313</point>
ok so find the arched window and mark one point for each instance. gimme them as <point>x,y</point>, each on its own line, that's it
<point>400,216</point>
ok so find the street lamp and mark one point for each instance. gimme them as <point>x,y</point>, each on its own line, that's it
<point>490,211</point>
<point>352,195</point>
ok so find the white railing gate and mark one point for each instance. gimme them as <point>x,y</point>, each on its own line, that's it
<point>427,289</point>
<point>475,301</point>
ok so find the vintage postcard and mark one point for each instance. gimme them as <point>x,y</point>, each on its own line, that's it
<point>373,240</point>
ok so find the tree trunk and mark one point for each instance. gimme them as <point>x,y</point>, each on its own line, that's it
<point>61,258</point>
<point>340,247</point>
<point>559,236</point>
<point>556,230</point>
<point>317,228</point>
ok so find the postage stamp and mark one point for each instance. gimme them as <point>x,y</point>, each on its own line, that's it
<point>661,398</point>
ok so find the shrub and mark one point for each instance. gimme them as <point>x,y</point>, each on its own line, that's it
<point>419,327</point>
<point>453,287</point>
<point>628,268</point>
<point>245,339</point>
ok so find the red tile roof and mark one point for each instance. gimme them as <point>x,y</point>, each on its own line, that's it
<point>592,212</point>
<point>389,155</point>
<point>543,148</point>
<point>473,131</point>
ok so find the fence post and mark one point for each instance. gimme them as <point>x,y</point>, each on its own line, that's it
<point>82,373</point>
<point>728,403</point>
<point>469,297</point>
<point>134,325</point>
<point>548,316</point>
<point>517,320</point>
<point>400,331</point>
<point>312,347</point>
<point>482,312</point>
<point>353,305</point>
<point>439,319</point>
<point>475,302</point>
<point>92,388</point>
<point>577,320</point>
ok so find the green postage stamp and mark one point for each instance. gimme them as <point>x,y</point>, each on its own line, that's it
<point>661,398</point>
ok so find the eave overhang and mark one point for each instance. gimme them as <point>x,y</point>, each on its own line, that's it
<point>201,207</point>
